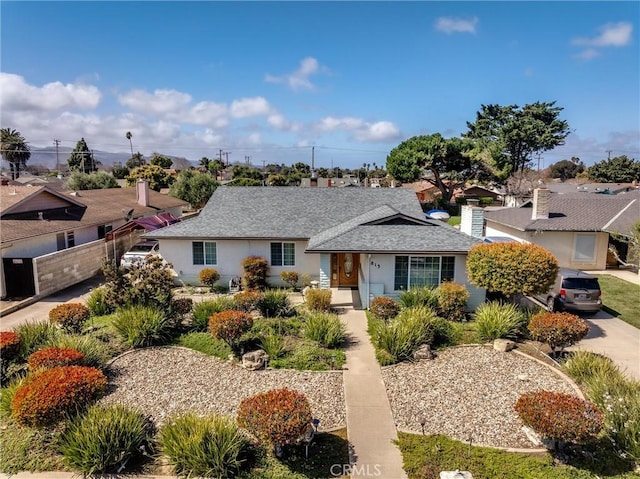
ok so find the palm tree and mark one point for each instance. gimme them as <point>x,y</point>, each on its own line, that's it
<point>15,150</point>
<point>129,136</point>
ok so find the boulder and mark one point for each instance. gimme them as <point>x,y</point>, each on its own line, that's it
<point>503,345</point>
<point>423,352</point>
<point>255,360</point>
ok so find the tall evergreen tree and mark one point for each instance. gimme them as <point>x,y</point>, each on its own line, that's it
<point>81,158</point>
<point>15,150</point>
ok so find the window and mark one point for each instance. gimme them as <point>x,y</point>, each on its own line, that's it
<point>413,271</point>
<point>103,230</point>
<point>283,254</point>
<point>71,239</point>
<point>585,248</point>
<point>204,252</point>
<point>61,241</point>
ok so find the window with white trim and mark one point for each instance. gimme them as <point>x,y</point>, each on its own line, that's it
<point>584,250</point>
<point>415,271</point>
<point>283,254</point>
<point>204,252</point>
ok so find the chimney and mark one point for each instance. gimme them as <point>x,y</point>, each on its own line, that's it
<point>142,192</point>
<point>541,199</point>
<point>472,220</point>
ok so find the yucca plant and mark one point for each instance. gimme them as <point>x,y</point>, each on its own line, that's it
<point>274,304</point>
<point>34,335</point>
<point>273,345</point>
<point>419,296</point>
<point>142,326</point>
<point>499,320</point>
<point>325,328</point>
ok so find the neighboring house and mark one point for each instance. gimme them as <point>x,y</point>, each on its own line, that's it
<point>375,240</point>
<point>574,227</point>
<point>51,239</point>
<point>477,192</point>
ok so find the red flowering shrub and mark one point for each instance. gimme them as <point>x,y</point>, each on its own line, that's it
<point>384,308</point>
<point>70,316</point>
<point>558,329</point>
<point>209,276</point>
<point>55,357</point>
<point>279,416</point>
<point>247,300</point>
<point>255,273</point>
<point>290,277</point>
<point>559,416</point>
<point>9,345</point>
<point>452,300</point>
<point>230,325</point>
<point>48,395</point>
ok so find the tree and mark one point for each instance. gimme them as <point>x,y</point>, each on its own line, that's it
<point>619,169</point>
<point>277,180</point>
<point>447,161</point>
<point>135,161</point>
<point>215,167</point>
<point>512,268</point>
<point>91,181</point>
<point>193,187</point>
<point>81,158</point>
<point>510,135</point>
<point>566,169</point>
<point>15,150</point>
<point>155,175</point>
<point>119,172</point>
<point>161,160</point>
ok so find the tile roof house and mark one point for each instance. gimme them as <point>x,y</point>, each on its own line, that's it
<point>575,227</point>
<point>375,240</point>
<point>52,239</point>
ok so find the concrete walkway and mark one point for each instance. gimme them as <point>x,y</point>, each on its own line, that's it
<point>370,425</point>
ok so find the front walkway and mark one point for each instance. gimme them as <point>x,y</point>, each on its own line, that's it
<point>370,425</point>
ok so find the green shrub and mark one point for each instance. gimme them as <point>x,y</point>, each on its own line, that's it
<point>273,345</point>
<point>559,416</point>
<point>558,330</point>
<point>274,303</point>
<point>384,308</point>
<point>48,395</point>
<point>142,326</point>
<point>209,277</point>
<point>310,357</point>
<point>96,352</point>
<point>6,395</point>
<point>318,299</point>
<point>290,278</point>
<point>401,336</point>
<point>305,280</point>
<point>205,343</point>
<point>97,302</point>
<point>210,446</point>
<point>325,328</point>
<point>203,310</point>
<point>70,316</point>
<point>278,416</point>
<point>48,358</point>
<point>34,335</point>
<point>255,273</point>
<point>103,439</point>
<point>230,325</point>
<point>499,320</point>
<point>180,308</point>
<point>584,365</point>
<point>247,301</point>
<point>452,300</point>
<point>419,296</point>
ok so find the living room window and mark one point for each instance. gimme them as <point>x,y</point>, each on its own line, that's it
<point>415,271</point>
<point>283,254</point>
<point>204,252</point>
<point>584,250</point>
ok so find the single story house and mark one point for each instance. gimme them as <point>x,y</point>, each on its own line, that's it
<point>375,240</point>
<point>53,239</point>
<point>575,227</point>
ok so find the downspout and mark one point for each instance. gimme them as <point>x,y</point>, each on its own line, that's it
<point>368,279</point>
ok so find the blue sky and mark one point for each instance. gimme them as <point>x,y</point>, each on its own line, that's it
<point>269,80</point>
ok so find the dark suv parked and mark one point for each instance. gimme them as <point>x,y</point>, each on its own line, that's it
<point>574,291</point>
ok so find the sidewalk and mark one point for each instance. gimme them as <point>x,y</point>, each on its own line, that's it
<point>370,425</point>
<point>624,274</point>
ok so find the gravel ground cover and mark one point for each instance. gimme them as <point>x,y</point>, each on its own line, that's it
<point>167,380</point>
<point>468,392</point>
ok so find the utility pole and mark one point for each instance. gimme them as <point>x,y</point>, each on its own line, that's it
<point>609,154</point>
<point>226,154</point>
<point>538,161</point>
<point>220,155</point>
<point>57,142</point>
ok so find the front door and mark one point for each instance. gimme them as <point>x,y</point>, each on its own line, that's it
<point>344,269</point>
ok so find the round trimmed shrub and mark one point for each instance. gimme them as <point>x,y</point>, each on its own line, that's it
<point>290,277</point>
<point>278,416</point>
<point>452,300</point>
<point>181,307</point>
<point>248,300</point>
<point>55,357</point>
<point>210,446</point>
<point>96,352</point>
<point>230,325</point>
<point>70,316</point>
<point>384,308</point>
<point>103,439</point>
<point>559,416</point>
<point>558,330</point>
<point>9,345</point>
<point>209,276</point>
<point>255,273</point>
<point>49,395</point>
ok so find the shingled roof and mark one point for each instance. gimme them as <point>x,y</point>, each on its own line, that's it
<point>332,219</point>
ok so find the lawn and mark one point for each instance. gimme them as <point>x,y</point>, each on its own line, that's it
<point>621,298</point>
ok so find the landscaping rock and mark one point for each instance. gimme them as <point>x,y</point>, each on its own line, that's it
<point>255,360</point>
<point>503,345</point>
<point>423,352</point>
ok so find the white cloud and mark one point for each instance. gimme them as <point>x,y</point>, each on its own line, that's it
<point>359,129</point>
<point>299,79</point>
<point>611,35</point>
<point>159,102</point>
<point>380,131</point>
<point>456,25</point>
<point>18,95</point>
<point>588,54</point>
<point>246,107</point>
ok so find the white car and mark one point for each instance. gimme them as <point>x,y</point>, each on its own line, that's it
<point>138,252</point>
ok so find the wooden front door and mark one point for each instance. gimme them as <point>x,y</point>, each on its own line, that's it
<point>344,269</point>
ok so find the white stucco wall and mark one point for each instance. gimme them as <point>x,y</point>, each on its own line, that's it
<point>559,243</point>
